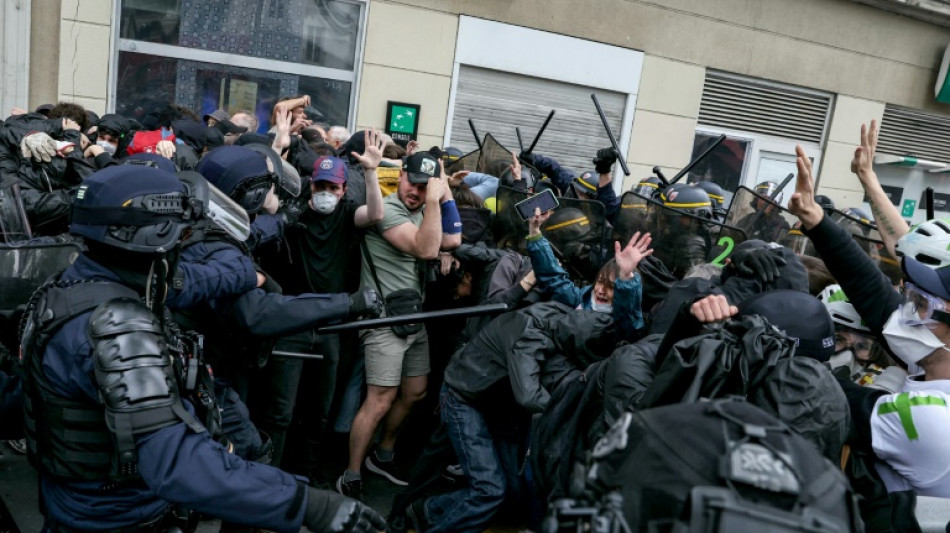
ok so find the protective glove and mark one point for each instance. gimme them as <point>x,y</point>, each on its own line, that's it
<point>762,263</point>
<point>334,513</point>
<point>290,212</point>
<point>38,146</point>
<point>365,303</point>
<point>605,159</point>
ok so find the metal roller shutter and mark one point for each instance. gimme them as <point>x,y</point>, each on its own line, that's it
<point>737,103</point>
<point>499,101</point>
<point>906,131</point>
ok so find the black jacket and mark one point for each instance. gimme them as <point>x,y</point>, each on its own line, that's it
<point>45,187</point>
<point>535,349</point>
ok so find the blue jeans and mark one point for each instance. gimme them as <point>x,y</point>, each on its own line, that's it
<point>471,508</point>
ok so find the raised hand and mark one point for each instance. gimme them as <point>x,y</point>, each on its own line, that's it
<point>373,154</point>
<point>282,139</point>
<point>539,218</point>
<point>864,154</point>
<point>713,308</point>
<point>628,258</point>
<point>515,168</point>
<point>803,203</point>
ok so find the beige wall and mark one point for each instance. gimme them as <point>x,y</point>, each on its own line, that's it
<point>664,123</point>
<point>833,45</point>
<point>44,52</point>
<point>407,66</point>
<point>85,34</point>
<point>844,135</point>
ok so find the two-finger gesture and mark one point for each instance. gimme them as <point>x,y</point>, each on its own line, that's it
<point>515,168</point>
<point>630,256</point>
<point>373,154</point>
<point>862,163</point>
<point>803,203</point>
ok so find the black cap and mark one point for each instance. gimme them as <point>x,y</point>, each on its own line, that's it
<point>799,315</point>
<point>421,166</point>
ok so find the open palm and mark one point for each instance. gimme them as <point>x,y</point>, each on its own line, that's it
<point>628,258</point>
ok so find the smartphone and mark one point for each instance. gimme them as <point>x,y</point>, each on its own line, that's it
<point>545,201</point>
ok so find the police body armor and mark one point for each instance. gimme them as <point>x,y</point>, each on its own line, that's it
<point>230,352</point>
<point>143,369</point>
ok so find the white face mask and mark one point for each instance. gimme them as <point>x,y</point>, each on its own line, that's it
<point>271,202</point>
<point>910,343</point>
<point>324,202</point>
<point>603,308</point>
<point>107,147</point>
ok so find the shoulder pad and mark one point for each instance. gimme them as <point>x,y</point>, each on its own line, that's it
<point>122,315</point>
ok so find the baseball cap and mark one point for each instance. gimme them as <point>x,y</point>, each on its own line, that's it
<point>810,326</point>
<point>934,281</point>
<point>421,166</point>
<point>331,169</point>
<point>217,114</point>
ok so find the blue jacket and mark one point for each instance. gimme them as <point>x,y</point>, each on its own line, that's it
<point>484,185</point>
<point>563,179</point>
<point>555,284</point>
<point>264,229</point>
<point>176,465</point>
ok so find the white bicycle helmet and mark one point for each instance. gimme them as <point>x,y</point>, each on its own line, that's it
<point>840,308</point>
<point>928,243</point>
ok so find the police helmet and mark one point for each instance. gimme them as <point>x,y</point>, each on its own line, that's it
<point>451,153</point>
<point>150,160</point>
<point>767,188</point>
<point>648,187</point>
<point>586,183</point>
<point>239,172</point>
<point>716,195</point>
<point>565,225</point>
<point>683,197</point>
<point>826,203</point>
<point>135,208</point>
<point>858,214</point>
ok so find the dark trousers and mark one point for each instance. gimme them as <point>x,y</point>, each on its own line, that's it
<point>296,395</point>
<point>490,462</point>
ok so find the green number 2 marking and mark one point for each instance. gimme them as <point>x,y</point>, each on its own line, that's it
<point>729,244</point>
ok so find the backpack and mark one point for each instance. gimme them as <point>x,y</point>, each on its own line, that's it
<point>724,466</point>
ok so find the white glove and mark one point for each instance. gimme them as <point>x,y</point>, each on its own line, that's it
<point>39,146</point>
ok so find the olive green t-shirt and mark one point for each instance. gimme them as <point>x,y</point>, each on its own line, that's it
<point>396,270</point>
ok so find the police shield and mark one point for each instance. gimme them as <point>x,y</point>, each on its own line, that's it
<point>14,226</point>
<point>217,206</point>
<point>468,161</point>
<point>758,217</point>
<point>493,158</point>
<point>24,266</point>
<point>577,230</point>
<point>681,240</point>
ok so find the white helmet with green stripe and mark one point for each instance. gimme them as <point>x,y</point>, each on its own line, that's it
<point>840,308</point>
<point>928,242</point>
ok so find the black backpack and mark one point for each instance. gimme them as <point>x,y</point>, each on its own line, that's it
<point>723,466</point>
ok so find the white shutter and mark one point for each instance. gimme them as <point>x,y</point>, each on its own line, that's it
<point>907,131</point>
<point>499,101</point>
<point>743,104</point>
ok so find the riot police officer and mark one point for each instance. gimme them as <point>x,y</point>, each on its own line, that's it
<point>120,419</point>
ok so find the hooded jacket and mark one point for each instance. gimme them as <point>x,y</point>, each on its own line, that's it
<point>535,349</point>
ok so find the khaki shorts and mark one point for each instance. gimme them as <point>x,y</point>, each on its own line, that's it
<point>390,358</point>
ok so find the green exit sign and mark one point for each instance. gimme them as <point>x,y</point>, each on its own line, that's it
<point>402,121</point>
<point>908,209</point>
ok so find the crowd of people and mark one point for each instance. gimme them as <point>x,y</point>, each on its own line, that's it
<point>176,369</point>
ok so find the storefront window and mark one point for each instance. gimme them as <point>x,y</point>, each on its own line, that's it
<point>723,166</point>
<point>238,55</point>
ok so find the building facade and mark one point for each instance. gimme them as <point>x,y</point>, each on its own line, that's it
<point>670,75</point>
